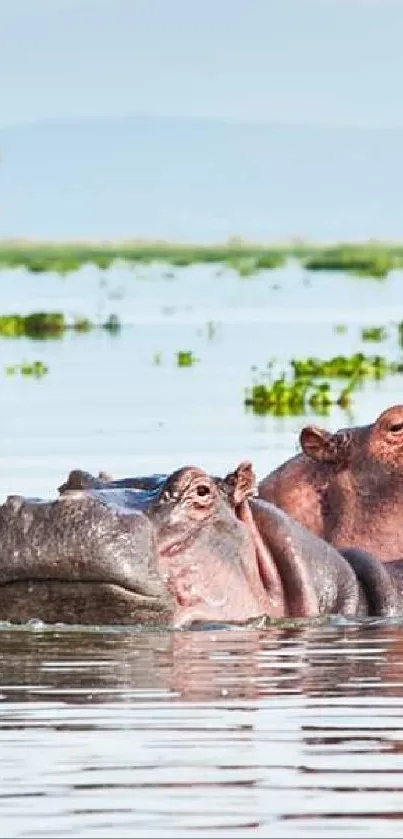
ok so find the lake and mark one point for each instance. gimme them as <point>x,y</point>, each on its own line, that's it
<point>283,732</point>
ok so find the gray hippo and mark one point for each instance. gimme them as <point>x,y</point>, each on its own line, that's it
<point>76,560</point>
<point>79,479</point>
<point>347,487</point>
<point>301,574</point>
<point>85,558</point>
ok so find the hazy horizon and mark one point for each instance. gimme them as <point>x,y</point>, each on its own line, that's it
<point>195,179</point>
<point>128,118</point>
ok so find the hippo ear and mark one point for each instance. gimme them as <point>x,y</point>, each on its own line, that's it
<point>78,479</point>
<point>241,483</point>
<point>75,480</point>
<point>317,444</point>
<point>105,476</point>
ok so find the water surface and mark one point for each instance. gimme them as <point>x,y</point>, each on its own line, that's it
<point>282,732</point>
<point>122,404</point>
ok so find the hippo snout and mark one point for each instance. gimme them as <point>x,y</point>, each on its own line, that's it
<point>79,541</point>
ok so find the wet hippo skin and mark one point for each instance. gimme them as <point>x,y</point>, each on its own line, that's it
<point>347,487</point>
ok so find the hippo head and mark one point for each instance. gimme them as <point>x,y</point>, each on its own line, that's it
<point>348,486</point>
<point>78,560</point>
<point>187,550</point>
<point>79,479</point>
<point>212,561</point>
<point>375,447</point>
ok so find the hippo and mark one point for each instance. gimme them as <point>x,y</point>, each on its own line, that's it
<point>76,560</point>
<point>84,559</point>
<point>79,479</point>
<point>348,581</point>
<point>303,575</point>
<point>347,487</point>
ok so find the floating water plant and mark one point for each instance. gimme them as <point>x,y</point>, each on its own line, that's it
<point>298,390</point>
<point>374,333</point>
<point>185,358</point>
<point>34,369</point>
<point>400,333</point>
<point>285,397</point>
<point>82,325</point>
<point>38,324</point>
<point>112,325</point>
<point>49,325</point>
<point>364,260</point>
<point>341,367</point>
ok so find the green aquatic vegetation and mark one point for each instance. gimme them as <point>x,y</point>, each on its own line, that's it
<point>103,261</point>
<point>283,397</point>
<point>37,324</point>
<point>82,325</point>
<point>362,260</point>
<point>185,358</point>
<point>34,369</point>
<point>400,333</point>
<point>269,260</point>
<point>308,384</point>
<point>344,399</point>
<point>157,359</point>
<point>10,326</point>
<point>42,325</point>
<point>245,266</point>
<point>369,259</point>
<point>340,328</point>
<point>112,325</point>
<point>342,367</point>
<point>374,333</point>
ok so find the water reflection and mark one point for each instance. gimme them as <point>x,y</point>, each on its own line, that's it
<point>98,665</point>
<point>276,732</point>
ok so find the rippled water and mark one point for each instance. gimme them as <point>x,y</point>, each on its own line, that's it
<point>292,731</point>
<point>285,732</point>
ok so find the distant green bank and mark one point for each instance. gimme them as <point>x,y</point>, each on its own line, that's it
<point>371,259</point>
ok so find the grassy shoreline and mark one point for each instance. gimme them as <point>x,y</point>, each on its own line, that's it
<point>370,258</point>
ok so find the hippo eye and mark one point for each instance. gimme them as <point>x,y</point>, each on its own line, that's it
<point>203,489</point>
<point>395,427</point>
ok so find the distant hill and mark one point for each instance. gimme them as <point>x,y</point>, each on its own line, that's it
<point>194,179</point>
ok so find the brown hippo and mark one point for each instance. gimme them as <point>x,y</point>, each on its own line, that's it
<point>366,587</point>
<point>347,487</point>
<point>303,575</point>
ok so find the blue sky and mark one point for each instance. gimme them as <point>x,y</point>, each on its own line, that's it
<point>299,110</point>
<point>328,62</point>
